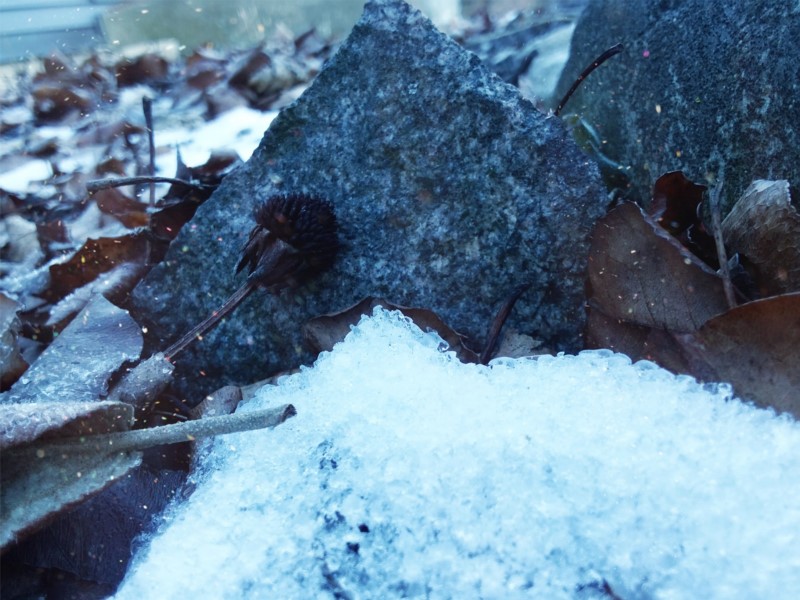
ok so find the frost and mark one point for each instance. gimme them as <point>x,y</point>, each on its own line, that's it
<point>409,474</point>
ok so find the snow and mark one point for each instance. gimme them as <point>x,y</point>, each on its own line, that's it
<point>239,129</point>
<point>18,179</point>
<point>409,474</point>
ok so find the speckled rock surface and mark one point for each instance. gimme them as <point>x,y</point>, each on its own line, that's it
<point>450,190</point>
<point>725,76</point>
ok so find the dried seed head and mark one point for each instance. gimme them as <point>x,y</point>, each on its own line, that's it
<point>294,239</point>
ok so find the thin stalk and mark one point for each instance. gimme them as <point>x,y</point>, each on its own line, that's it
<point>142,439</point>
<point>722,255</point>
<point>110,182</point>
<point>499,321</point>
<point>595,63</point>
<point>147,108</point>
<point>198,330</point>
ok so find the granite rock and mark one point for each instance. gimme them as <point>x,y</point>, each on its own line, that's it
<point>451,190</point>
<point>702,84</point>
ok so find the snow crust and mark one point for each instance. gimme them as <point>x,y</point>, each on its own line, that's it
<point>239,129</point>
<point>409,474</point>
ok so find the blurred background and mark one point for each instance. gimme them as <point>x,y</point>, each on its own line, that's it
<point>35,28</point>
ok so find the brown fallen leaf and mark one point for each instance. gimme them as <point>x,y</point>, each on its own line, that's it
<point>142,384</point>
<point>756,348</point>
<point>639,274</point>
<point>55,101</point>
<point>222,402</point>
<point>96,257</point>
<point>323,332</point>
<point>764,226</point>
<point>147,68</point>
<point>114,285</point>
<point>107,132</point>
<point>638,342</point>
<point>43,476</point>
<point>676,205</point>
<point>675,202</point>
<point>130,212</point>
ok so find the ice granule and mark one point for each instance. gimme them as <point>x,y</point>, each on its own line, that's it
<point>408,474</point>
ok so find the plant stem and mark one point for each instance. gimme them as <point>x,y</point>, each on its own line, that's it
<point>147,108</point>
<point>198,330</point>
<point>110,182</point>
<point>595,63</point>
<point>722,256</point>
<point>188,431</point>
<point>499,321</point>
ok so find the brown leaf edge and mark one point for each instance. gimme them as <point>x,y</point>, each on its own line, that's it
<point>756,348</point>
<point>323,332</point>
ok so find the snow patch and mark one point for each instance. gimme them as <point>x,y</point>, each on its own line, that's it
<point>239,129</point>
<point>408,474</point>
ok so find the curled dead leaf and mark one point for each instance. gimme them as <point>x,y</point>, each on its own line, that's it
<point>675,202</point>
<point>764,226</point>
<point>54,101</point>
<point>147,68</point>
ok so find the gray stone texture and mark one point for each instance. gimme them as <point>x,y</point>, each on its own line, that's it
<point>726,76</point>
<point>451,190</point>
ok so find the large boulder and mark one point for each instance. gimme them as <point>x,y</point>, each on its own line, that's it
<point>451,191</point>
<point>702,84</point>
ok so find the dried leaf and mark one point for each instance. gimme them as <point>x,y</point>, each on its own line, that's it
<point>20,239</point>
<point>147,68</point>
<point>639,274</point>
<point>32,488</point>
<point>21,424</point>
<point>54,101</point>
<point>114,285</point>
<point>677,206</point>
<point>12,365</point>
<point>765,227</point>
<point>107,132</point>
<point>131,212</point>
<point>638,342</point>
<point>204,69</point>
<point>93,540</point>
<point>675,202</point>
<point>95,257</point>
<point>250,65</point>
<point>517,345</point>
<point>322,333</point>
<point>222,402</point>
<point>756,348</point>
<point>77,365</point>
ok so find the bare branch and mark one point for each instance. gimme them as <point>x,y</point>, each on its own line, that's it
<point>100,184</point>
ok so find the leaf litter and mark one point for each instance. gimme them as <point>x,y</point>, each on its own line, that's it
<point>651,296</point>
